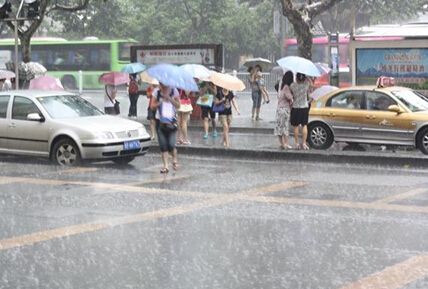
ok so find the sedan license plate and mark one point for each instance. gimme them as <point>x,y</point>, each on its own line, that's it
<point>131,145</point>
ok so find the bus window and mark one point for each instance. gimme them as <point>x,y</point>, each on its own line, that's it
<point>125,51</point>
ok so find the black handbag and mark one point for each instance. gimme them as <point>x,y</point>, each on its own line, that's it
<point>117,107</point>
<point>168,126</point>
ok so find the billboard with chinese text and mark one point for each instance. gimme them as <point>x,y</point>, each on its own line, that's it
<point>409,66</point>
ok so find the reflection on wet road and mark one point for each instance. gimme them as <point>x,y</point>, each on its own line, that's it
<point>213,224</point>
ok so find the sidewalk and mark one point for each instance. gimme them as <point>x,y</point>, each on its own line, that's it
<point>255,140</point>
<point>266,147</point>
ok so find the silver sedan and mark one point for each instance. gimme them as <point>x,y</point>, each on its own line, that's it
<point>66,128</point>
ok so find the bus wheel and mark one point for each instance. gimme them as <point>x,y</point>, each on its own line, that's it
<point>69,82</point>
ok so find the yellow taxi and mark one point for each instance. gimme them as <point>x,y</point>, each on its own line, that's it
<point>371,115</point>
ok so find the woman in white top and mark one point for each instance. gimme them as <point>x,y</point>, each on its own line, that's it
<point>166,102</point>
<point>111,105</point>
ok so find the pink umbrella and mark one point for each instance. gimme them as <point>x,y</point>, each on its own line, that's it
<point>114,78</point>
<point>46,83</point>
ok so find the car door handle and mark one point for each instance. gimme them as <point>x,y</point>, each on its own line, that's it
<point>332,114</point>
<point>12,125</point>
<point>370,117</point>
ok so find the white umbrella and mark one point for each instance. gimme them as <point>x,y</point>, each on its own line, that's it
<point>36,68</point>
<point>227,81</point>
<point>323,90</point>
<point>6,74</point>
<point>264,63</point>
<point>323,68</point>
<point>145,77</point>
<point>197,71</point>
<point>299,65</point>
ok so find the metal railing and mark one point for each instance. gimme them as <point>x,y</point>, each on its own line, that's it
<point>270,80</point>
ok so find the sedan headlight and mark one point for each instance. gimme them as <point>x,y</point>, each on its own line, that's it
<point>104,135</point>
<point>142,132</point>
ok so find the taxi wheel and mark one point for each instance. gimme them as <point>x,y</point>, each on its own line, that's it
<point>422,141</point>
<point>123,161</point>
<point>320,136</point>
<point>66,153</point>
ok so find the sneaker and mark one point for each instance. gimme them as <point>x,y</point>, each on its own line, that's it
<point>215,134</point>
<point>205,136</point>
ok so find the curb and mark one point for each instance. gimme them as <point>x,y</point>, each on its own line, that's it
<point>338,157</point>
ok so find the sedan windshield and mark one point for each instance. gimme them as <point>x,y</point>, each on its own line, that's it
<point>412,99</point>
<point>68,106</point>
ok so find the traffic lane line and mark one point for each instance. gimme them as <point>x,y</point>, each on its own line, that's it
<point>108,187</point>
<point>339,204</point>
<point>396,276</point>
<point>77,170</point>
<point>401,196</point>
<point>34,238</point>
<point>160,179</point>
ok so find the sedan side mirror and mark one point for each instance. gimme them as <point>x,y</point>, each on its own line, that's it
<point>395,108</point>
<point>35,117</point>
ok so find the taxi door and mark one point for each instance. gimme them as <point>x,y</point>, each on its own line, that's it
<point>344,115</point>
<point>382,125</point>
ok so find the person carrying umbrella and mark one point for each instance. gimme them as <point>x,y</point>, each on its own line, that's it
<point>111,105</point>
<point>226,99</point>
<point>133,93</point>
<point>166,102</point>
<point>300,109</point>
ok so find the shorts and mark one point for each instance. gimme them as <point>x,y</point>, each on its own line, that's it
<point>207,111</point>
<point>151,114</point>
<point>225,117</point>
<point>299,116</point>
<point>167,139</point>
<point>257,99</point>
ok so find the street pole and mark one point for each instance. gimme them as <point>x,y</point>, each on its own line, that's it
<point>16,20</point>
<point>16,57</point>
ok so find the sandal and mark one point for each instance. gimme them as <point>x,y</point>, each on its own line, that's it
<point>305,147</point>
<point>164,171</point>
<point>175,166</point>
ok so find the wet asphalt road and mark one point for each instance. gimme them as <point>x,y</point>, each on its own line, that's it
<point>213,224</point>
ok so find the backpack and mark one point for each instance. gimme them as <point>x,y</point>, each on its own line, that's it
<point>133,87</point>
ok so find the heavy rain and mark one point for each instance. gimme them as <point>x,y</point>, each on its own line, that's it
<point>213,144</point>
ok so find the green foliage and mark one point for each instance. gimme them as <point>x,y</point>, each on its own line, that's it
<point>241,29</point>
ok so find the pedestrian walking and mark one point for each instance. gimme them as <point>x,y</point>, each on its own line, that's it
<point>183,117</point>
<point>224,101</point>
<point>285,101</point>
<point>133,93</point>
<point>111,105</point>
<point>300,109</point>
<point>151,113</point>
<point>207,114</point>
<point>258,92</point>
<point>166,103</point>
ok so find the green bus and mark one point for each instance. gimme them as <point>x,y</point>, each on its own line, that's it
<point>65,58</point>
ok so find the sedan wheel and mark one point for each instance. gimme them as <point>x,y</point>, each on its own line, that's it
<point>422,142</point>
<point>66,153</point>
<point>320,136</point>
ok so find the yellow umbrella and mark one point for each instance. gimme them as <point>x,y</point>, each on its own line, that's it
<point>227,81</point>
<point>144,76</point>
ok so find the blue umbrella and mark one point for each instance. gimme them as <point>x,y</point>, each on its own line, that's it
<point>135,67</point>
<point>299,64</point>
<point>173,76</point>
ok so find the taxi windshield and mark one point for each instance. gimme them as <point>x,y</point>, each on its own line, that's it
<point>414,100</point>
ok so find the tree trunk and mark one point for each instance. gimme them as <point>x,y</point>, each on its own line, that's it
<point>304,39</point>
<point>26,48</point>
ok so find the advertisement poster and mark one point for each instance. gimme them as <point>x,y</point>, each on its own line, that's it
<point>204,56</point>
<point>409,66</point>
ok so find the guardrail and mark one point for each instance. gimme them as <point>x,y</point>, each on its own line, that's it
<point>270,80</point>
